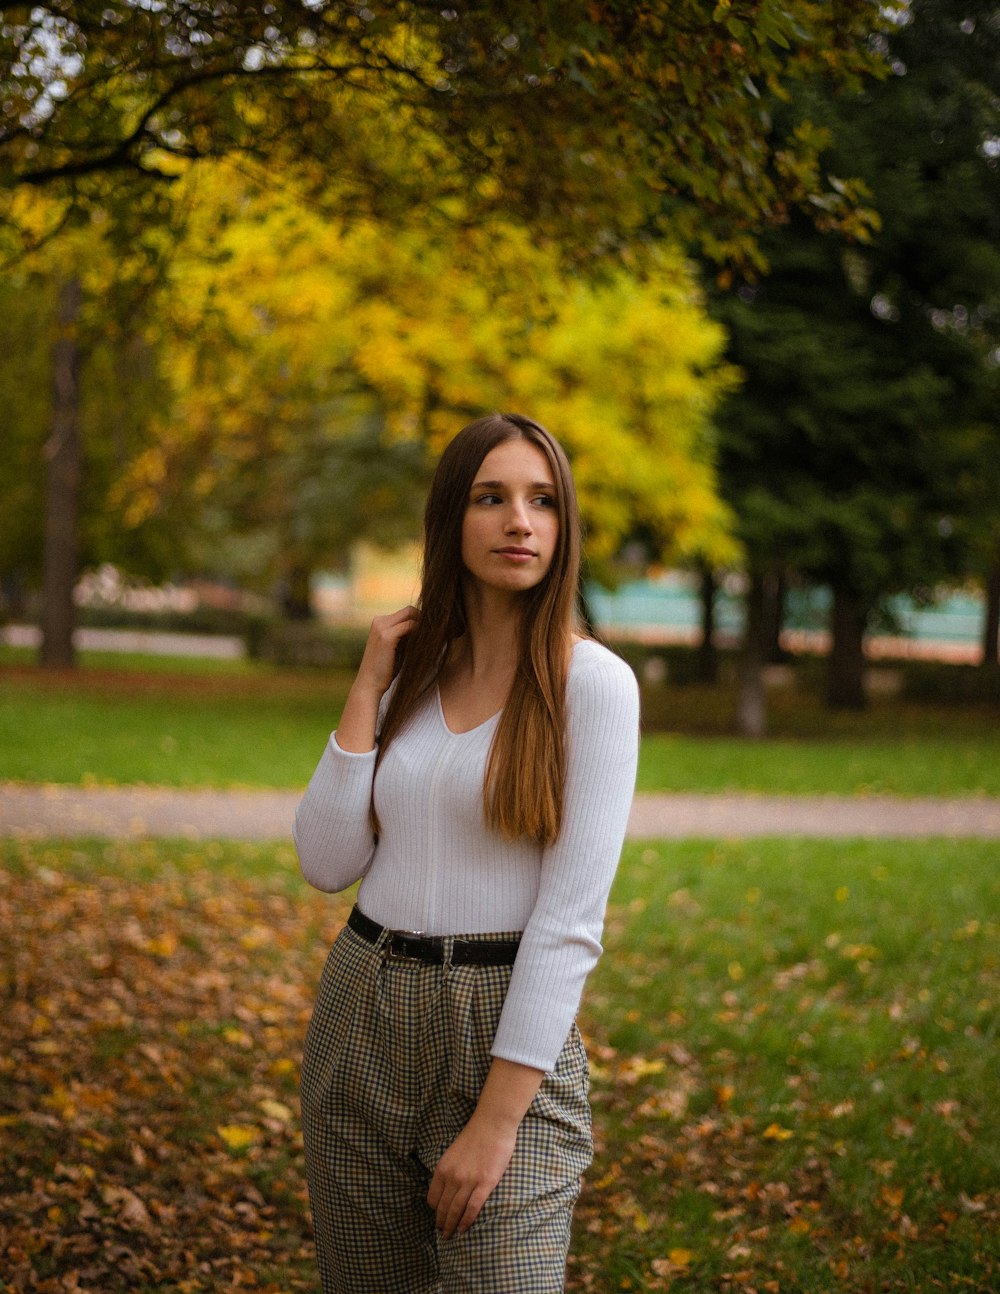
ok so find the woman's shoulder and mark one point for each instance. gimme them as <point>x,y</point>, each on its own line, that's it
<point>592,660</point>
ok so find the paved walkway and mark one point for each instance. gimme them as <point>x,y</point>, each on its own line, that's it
<point>61,811</point>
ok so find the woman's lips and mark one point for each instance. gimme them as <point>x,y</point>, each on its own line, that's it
<point>516,554</point>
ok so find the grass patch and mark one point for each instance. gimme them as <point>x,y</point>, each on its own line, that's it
<point>915,763</point>
<point>795,1070</point>
<point>26,659</point>
<point>250,727</point>
<point>247,724</point>
<point>793,1046</point>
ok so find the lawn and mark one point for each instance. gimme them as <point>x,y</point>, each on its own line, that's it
<point>247,725</point>
<point>794,1052</point>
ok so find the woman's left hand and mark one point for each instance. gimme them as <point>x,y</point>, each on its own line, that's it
<point>468,1172</point>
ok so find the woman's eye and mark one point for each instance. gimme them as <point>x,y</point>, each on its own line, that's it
<point>545,501</point>
<point>488,498</point>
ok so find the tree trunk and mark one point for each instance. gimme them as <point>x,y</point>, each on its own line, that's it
<point>774,653</point>
<point>752,704</point>
<point>296,600</point>
<point>846,665</point>
<point>708,655</point>
<point>991,627</point>
<point>64,471</point>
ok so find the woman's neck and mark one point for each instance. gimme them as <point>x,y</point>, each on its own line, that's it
<point>491,643</point>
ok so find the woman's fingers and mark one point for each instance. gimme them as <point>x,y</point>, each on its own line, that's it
<point>465,1177</point>
<point>459,1207</point>
<point>473,1205</point>
<point>379,660</point>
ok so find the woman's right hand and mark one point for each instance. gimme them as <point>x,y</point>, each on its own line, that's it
<point>356,730</point>
<point>378,664</point>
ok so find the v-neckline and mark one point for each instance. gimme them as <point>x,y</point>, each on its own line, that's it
<point>465,731</point>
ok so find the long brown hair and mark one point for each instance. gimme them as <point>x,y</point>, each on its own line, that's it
<point>523,787</point>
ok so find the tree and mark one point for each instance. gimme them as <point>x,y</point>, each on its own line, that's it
<point>588,122</point>
<point>26,327</point>
<point>594,126</point>
<point>597,127</point>
<point>298,350</point>
<point>857,449</point>
<point>78,386</point>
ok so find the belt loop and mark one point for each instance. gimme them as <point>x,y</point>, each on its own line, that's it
<point>448,948</point>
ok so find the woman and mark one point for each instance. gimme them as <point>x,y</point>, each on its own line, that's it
<point>481,794</point>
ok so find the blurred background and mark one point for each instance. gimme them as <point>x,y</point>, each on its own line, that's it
<point>259,261</point>
<point>262,261</point>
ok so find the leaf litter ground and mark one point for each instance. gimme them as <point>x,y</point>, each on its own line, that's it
<point>793,1047</point>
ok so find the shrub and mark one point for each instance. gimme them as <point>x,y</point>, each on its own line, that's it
<point>953,684</point>
<point>201,620</point>
<point>307,644</point>
<point>673,663</point>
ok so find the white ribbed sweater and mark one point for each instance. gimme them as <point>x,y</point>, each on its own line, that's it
<point>439,869</point>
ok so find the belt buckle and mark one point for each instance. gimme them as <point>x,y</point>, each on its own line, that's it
<point>391,953</point>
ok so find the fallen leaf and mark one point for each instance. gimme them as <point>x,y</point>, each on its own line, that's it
<point>238,1136</point>
<point>277,1110</point>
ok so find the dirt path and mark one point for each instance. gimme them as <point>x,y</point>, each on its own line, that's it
<point>64,811</point>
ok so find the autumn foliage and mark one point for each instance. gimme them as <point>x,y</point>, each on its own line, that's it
<point>793,1080</point>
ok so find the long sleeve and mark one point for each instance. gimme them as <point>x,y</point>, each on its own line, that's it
<point>562,939</point>
<point>440,869</point>
<point>332,831</point>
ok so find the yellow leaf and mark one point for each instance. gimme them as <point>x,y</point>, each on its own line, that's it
<point>276,1110</point>
<point>164,945</point>
<point>45,1046</point>
<point>775,1132</point>
<point>675,1264</point>
<point>238,1037</point>
<point>800,1226</point>
<point>238,1136</point>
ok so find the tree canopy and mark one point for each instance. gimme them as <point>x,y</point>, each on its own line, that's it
<point>277,384</point>
<point>862,449</point>
<point>596,123</point>
<point>286,339</point>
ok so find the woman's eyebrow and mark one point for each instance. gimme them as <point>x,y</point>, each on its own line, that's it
<point>499,485</point>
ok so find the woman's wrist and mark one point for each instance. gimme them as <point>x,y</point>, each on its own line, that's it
<point>508,1091</point>
<point>356,730</point>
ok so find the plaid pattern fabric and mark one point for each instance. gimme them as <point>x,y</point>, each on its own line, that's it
<point>395,1058</point>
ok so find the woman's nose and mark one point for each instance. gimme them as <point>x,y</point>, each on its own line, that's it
<point>518,518</point>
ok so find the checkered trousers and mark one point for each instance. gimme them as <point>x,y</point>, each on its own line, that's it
<point>395,1058</point>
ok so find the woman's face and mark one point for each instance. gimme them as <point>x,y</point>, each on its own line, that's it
<point>511,522</point>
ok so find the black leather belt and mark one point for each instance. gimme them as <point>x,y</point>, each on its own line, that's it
<point>431,948</point>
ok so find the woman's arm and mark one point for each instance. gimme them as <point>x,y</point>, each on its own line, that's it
<point>562,937</point>
<point>357,727</point>
<point>470,1168</point>
<point>332,831</point>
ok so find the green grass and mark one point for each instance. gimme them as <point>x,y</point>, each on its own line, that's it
<point>134,662</point>
<point>247,727</point>
<point>245,724</point>
<point>796,1076</point>
<point>962,763</point>
<point>793,1046</point>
